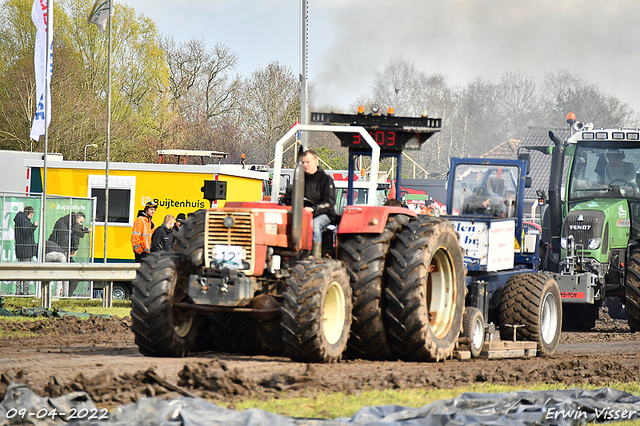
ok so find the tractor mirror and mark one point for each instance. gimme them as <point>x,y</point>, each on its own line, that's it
<point>528,182</point>
<point>526,157</point>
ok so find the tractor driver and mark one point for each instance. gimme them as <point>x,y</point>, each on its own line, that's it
<point>319,190</point>
<point>618,169</point>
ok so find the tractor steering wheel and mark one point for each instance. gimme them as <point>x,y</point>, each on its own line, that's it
<point>629,183</point>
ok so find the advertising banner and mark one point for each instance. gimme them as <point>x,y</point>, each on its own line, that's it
<point>10,206</point>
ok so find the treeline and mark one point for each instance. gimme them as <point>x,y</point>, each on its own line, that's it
<point>187,95</point>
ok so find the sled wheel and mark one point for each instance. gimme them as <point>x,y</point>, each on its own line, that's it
<point>473,330</point>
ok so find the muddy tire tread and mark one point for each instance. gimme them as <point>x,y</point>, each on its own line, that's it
<point>365,257</point>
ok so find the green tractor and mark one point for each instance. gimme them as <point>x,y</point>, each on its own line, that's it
<point>593,249</point>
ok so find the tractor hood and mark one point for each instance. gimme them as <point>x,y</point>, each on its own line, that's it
<point>598,226</point>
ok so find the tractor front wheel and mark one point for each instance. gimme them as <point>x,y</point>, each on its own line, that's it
<point>160,327</point>
<point>316,312</point>
<point>632,302</point>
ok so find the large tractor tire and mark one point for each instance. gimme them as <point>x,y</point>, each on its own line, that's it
<point>365,256</point>
<point>189,241</point>
<point>426,290</point>
<point>316,312</point>
<point>632,300</point>
<point>580,316</point>
<point>160,327</point>
<point>533,301</point>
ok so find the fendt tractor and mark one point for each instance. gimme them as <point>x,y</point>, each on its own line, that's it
<point>242,278</point>
<point>593,245</point>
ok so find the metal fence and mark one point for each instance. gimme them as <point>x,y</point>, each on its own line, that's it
<point>68,236</point>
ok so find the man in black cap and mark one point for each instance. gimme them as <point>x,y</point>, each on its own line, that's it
<point>181,217</point>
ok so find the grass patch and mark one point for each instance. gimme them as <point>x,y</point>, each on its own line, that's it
<point>121,308</point>
<point>336,405</point>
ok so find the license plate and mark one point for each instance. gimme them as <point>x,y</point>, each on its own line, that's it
<point>227,256</point>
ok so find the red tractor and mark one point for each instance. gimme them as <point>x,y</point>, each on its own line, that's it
<point>242,279</point>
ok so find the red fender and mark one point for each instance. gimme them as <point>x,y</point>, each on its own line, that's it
<point>368,219</point>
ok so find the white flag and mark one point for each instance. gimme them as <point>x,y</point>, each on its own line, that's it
<point>99,14</point>
<point>43,62</point>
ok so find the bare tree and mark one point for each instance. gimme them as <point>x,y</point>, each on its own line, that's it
<point>564,92</point>
<point>202,82</point>
<point>270,106</point>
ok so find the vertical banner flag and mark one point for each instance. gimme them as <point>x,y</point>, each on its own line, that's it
<point>99,14</point>
<point>43,62</point>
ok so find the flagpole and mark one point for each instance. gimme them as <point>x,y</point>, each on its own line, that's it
<point>106,180</point>
<point>47,114</point>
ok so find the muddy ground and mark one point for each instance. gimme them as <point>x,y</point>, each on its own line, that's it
<point>99,356</point>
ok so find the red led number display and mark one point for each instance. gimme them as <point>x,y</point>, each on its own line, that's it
<point>382,138</point>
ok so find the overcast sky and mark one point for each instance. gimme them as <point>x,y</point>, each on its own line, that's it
<point>349,40</point>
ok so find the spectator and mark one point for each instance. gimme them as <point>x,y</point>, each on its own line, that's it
<point>25,244</point>
<point>142,228</point>
<point>162,238</point>
<point>178,224</point>
<point>67,232</point>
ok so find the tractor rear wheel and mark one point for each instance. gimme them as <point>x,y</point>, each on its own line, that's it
<point>473,330</point>
<point>632,284</point>
<point>365,257</point>
<point>316,312</point>
<point>533,301</point>
<point>160,327</point>
<point>426,289</point>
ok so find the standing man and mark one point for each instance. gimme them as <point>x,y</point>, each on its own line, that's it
<point>162,238</point>
<point>179,219</point>
<point>319,189</point>
<point>142,228</point>
<point>25,243</point>
<point>67,232</point>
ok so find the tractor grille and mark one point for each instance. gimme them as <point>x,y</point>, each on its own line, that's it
<point>240,234</point>
<point>583,225</point>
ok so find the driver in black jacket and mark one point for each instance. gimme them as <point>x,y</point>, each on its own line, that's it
<point>319,189</point>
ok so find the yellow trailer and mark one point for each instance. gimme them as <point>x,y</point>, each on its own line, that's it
<point>175,187</point>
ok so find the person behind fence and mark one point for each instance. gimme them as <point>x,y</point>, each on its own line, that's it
<point>67,232</point>
<point>142,229</point>
<point>162,238</point>
<point>25,244</point>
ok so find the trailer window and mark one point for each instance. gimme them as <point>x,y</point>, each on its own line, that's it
<point>119,201</point>
<point>121,193</point>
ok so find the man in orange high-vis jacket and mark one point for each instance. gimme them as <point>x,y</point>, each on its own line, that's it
<point>142,231</point>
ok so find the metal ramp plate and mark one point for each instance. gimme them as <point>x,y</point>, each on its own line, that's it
<point>502,349</point>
